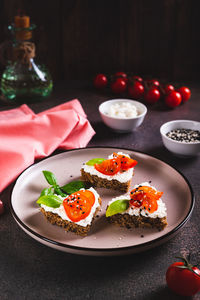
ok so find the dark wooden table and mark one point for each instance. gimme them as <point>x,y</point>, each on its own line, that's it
<point>30,270</point>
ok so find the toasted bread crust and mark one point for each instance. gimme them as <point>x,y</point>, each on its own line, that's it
<point>128,221</point>
<point>105,183</point>
<point>54,219</point>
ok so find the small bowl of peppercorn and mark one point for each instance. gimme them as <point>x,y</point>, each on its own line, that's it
<point>181,137</point>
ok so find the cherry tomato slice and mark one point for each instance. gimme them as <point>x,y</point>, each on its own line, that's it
<point>150,191</point>
<point>78,205</point>
<point>145,197</point>
<point>126,162</point>
<point>109,166</point>
<point>150,205</point>
<point>89,195</point>
<point>136,199</point>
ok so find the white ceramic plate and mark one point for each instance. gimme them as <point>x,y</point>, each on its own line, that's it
<point>104,238</point>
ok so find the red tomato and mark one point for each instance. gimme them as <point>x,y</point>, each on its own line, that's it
<point>138,78</point>
<point>89,195</point>
<point>156,83</point>
<point>1,208</point>
<point>153,82</point>
<point>182,280</point>
<point>173,99</point>
<point>126,162</point>
<point>168,88</point>
<point>109,166</point>
<point>118,86</point>
<point>145,197</point>
<point>147,189</point>
<point>152,95</point>
<point>121,75</point>
<point>136,91</point>
<point>185,93</point>
<point>136,199</point>
<point>150,205</point>
<point>78,205</point>
<point>100,81</point>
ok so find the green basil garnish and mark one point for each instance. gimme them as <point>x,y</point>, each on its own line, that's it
<point>58,191</point>
<point>94,161</point>
<point>50,200</point>
<point>50,178</point>
<point>73,187</point>
<point>47,191</point>
<point>49,196</point>
<point>117,207</point>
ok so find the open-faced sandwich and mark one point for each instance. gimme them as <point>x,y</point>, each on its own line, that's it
<point>142,207</point>
<point>73,206</point>
<point>113,173</point>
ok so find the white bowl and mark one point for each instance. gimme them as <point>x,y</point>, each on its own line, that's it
<point>127,124</point>
<point>180,148</point>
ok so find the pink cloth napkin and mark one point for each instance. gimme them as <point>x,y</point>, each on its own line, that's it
<point>26,136</point>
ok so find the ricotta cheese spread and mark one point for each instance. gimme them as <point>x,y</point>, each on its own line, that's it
<point>60,211</point>
<point>123,110</point>
<point>120,176</point>
<point>136,211</point>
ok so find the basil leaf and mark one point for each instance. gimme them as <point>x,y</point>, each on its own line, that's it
<point>58,191</point>
<point>50,178</point>
<point>46,191</point>
<point>50,200</point>
<point>73,186</point>
<point>93,161</point>
<point>117,207</point>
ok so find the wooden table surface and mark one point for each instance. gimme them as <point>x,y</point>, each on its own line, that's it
<point>30,270</point>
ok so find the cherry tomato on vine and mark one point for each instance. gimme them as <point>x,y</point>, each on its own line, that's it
<point>183,278</point>
<point>121,75</point>
<point>153,83</point>
<point>185,93</point>
<point>138,78</point>
<point>168,88</point>
<point>118,86</point>
<point>173,99</point>
<point>100,81</point>
<point>136,90</point>
<point>152,95</point>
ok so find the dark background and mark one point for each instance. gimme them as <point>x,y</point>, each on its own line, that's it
<point>78,38</point>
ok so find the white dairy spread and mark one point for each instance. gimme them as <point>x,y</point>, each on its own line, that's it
<point>120,176</point>
<point>60,211</point>
<point>136,211</point>
<point>123,110</point>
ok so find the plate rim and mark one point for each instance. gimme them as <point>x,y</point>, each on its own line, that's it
<point>135,248</point>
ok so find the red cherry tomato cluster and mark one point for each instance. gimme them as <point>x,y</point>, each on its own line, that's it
<point>150,90</point>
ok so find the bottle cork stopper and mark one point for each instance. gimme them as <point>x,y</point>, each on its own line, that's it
<point>22,22</point>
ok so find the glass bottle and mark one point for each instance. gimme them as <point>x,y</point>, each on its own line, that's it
<point>24,81</point>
